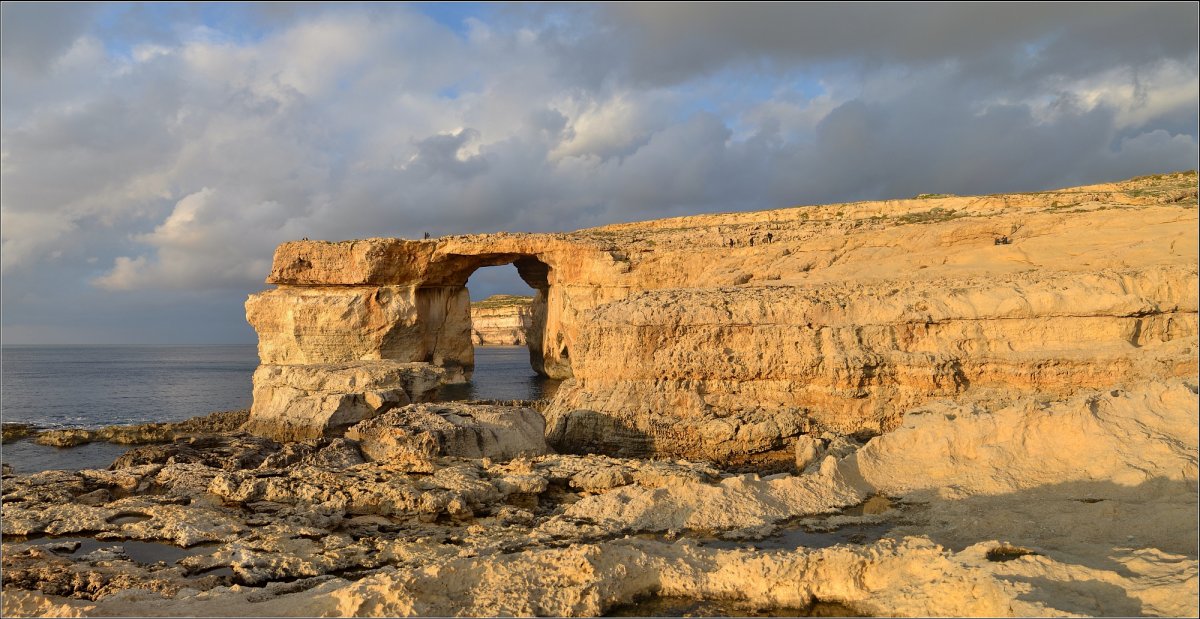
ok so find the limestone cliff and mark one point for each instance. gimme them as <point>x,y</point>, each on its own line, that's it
<point>501,320</point>
<point>727,335</point>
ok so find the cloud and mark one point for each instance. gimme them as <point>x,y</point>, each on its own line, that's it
<point>670,42</point>
<point>170,151</point>
<point>446,154</point>
<point>202,245</point>
<point>126,274</point>
<point>22,234</point>
<point>33,35</point>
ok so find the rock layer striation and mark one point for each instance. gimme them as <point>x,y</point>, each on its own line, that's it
<point>501,320</point>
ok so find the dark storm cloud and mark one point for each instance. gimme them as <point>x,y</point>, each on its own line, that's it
<point>672,42</point>
<point>35,34</point>
<point>440,154</point>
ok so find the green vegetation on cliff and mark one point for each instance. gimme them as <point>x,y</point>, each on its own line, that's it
<point>501,300</point>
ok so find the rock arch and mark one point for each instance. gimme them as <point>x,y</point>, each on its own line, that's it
<point>355,327</point>
<point>394,300</point>
<point>443,306</point>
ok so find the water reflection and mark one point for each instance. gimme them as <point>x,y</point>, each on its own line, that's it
<point>146,553</point>
<point>501,373</point>
<point>26,456</point>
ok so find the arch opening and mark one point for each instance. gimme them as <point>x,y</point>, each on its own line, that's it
<point>506,328</point>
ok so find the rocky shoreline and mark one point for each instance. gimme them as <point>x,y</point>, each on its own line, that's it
<point>462,509</point>
<point>138,434</point>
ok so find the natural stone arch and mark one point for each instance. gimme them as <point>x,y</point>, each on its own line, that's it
<point>358,327</point>
<point>444,308</point>
<point>679,343</point>
<point>406,301</point>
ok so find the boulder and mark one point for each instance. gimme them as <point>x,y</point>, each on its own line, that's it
<point>808,450</point>
<point>418,433</point>
<point>300,402</point>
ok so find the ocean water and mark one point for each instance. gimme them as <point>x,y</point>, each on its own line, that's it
<point>501,373</point>
<point>90,387</point>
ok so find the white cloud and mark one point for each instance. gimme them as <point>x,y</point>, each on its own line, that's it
<point>25,236</point>
<point>614,127</point>
<point>209,240</point>
<point>125,274</point>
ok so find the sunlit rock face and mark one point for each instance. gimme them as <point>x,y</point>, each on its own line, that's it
<point>300,402</point>
<point>501,320</point>
<point>725,336</point>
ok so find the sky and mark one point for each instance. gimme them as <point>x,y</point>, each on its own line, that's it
<point>153,155</point>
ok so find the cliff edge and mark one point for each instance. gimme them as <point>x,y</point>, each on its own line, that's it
<point>501,320</point>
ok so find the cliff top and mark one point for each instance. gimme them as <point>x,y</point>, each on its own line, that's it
<point>1172,187</point>
<point>1139,221</point>
<point>501,300</point>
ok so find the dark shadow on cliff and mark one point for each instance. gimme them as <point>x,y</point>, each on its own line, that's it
<point>585,431</point>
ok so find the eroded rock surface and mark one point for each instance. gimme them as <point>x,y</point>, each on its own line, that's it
<point>141,434</point>
<point>961,510</point>
<point>298,402</point>
<point>17,431</point>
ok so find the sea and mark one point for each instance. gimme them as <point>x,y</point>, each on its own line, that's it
<point>96,386</point>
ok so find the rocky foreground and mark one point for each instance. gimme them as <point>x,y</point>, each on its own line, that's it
<point>1083,506</point>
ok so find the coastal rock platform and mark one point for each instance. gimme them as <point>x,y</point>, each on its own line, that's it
<point>956,511</point>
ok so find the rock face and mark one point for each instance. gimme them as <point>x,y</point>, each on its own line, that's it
<point>816,318</point>
<point>501,320</point>
<point>1146,434</point>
